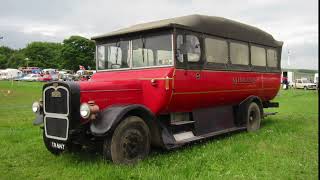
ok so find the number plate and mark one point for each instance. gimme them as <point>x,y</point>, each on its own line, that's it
<point>56,145</point>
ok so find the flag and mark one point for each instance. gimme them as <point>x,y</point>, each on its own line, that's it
<point>81,67</point>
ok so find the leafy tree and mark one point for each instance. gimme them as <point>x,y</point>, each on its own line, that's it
<point>73,52</point>
<point>44,54</point>
<point>77,51</point>
<point>5,53</point>
<point>16,60</point>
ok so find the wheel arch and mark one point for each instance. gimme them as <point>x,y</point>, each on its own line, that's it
<point>243,106</point>
<point>111,117</point>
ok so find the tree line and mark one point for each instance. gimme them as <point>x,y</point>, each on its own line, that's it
<point>74,51</point>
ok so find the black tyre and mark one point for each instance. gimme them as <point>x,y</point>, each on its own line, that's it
<point>129,143</point>
<point>47,143</point>
<point>253,117</point>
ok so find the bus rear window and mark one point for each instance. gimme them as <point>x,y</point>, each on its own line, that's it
<point>272,59</point>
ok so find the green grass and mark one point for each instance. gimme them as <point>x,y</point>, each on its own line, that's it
<point>286,147</point>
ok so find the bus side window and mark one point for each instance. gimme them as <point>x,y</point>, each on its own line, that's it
<point>239,53</point>
<point>216,50</point>
<point>258,56</point>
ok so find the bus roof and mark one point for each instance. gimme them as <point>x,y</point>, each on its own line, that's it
<point>212,25</point>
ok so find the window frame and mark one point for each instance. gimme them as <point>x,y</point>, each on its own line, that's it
<point>215,65</point>
<point>130,39</point>
<point>273,69</point>
<point>258,68</point>
<point>240,67</point>
<point>186,64</point>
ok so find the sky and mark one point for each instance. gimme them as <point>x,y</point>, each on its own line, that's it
<point>294,22</point>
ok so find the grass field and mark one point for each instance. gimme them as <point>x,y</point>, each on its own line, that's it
<point>286,147</point>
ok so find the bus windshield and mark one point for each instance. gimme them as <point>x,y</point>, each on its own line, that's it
<point>148,51</point>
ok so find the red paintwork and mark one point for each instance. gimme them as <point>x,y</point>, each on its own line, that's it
<point>185,92</point>
<point>45,78</point>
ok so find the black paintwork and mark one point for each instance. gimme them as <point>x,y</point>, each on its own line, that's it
<point>109,118</point>
<point>209,120</point>
<point>39,118</point>
<point>56,104</point>
<point>56,127</point>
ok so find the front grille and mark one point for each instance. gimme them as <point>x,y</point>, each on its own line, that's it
<point>57,128</point>
<point>61,102</point>
<point>56,100</point>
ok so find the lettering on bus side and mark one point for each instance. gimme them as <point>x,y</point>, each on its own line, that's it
<point>244,80</point>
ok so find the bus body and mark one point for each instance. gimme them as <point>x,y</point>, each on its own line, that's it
<point>165,83</point>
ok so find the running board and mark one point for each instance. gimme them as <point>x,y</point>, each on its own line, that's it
<point>194,138</point>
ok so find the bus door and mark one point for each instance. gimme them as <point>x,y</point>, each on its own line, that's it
<point>188,81</point>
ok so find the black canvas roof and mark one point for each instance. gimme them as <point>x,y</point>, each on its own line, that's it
<point>212,25</point>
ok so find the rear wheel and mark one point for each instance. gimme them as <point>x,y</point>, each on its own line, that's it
<point>129,143</point>
<point>253,117</point>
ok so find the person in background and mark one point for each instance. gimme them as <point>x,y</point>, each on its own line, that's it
<point>285,82</point>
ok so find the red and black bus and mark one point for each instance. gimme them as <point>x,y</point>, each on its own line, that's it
<point>164,83</point>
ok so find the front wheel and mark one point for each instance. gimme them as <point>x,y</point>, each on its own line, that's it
<point>253,117</point>
<point>129,143</point>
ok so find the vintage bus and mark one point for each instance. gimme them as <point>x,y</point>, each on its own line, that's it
<point>164,84</point>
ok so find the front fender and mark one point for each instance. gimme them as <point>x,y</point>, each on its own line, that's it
<point>109,118</point>
<point>39,119</point>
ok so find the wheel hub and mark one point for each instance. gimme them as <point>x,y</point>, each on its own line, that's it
<point>132,145</point>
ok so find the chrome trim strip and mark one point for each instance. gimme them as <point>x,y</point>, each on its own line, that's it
<point>55,137</point>
<point>44,101</point>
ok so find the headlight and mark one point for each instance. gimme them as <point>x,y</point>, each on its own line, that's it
<point>85,110</point>
<point>35,107</point>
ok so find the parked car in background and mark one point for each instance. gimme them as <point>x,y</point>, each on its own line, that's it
<point>19,77</point>
<point>49,71</point>
<point>45,78</point>
<point>67,77</point>
<point>31,77</point>
<point>304,84</point>
<point>30,70</point>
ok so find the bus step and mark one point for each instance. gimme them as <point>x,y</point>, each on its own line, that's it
<point>177,123</point>
<point>183,136</point>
